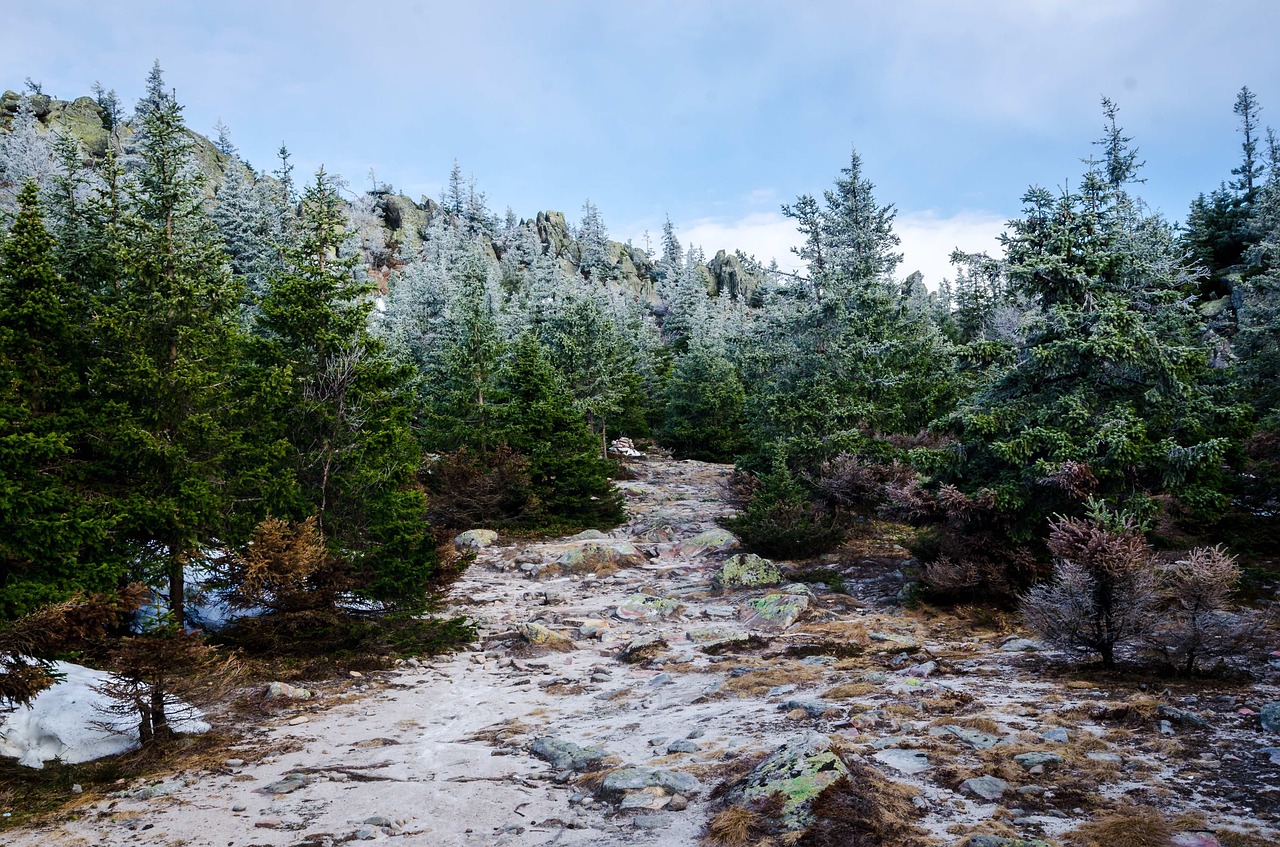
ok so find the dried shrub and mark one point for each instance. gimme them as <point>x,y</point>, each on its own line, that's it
<point>284,568</point>
<point>1102,593</point>
<point>1136,826</point>
<point>467,489</point>
<point>1076,479</point>
<point>1194,622</point>
<point>151,673</point>
<point>851,482</point>
<point>28,644</point>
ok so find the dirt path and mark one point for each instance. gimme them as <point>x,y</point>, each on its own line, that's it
<point>495,745</point>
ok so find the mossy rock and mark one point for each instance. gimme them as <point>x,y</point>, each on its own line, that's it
<point>599,557</point>
<point>799,770</point>
<point>748,571</point>
<point>646,607</point>
<point>776,611</point>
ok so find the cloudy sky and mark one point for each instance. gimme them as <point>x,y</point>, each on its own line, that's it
<point>711,111</point>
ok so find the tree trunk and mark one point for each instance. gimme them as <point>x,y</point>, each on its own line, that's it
<point>160,730</point>
<point>177,589</point>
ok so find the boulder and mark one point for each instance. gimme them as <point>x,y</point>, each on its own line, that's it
<point>475,539</point>
<point>1033,760</point>
<point>908,762</point>
<point>799,770</point>
<point>565,755</point>
<point>646,607</point>
<point>642,649</point>
<point>647,788</point>
<point>775,611</point>
<point>285,691</point>
<point>598,557</point>
<point>976,739</point>
<point>987,787</point>
<point>747,570</point>
<point>714,540</point>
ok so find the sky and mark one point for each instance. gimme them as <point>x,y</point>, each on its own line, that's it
<point>711,112</point>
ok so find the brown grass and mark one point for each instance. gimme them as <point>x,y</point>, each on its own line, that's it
<point>754,683</point>
<point>1136,826</point>
<point>735,827</point>
<point>977,722</point>
<point>864,809</point>
<point>849,691</point>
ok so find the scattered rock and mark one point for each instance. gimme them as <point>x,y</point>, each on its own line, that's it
<point>908,762</point>
<point>1013,644</point>
<point>601,558</point>
<point>475,539</point>
<point>1037,759</point>
<point>1182,716</point>
<point>812,708</point>
<point>1272,752</point>
<point>1270,717</point>
<point>647,788</point>
<point>1001,841</point>
<point>588,535</point>
<point>565,755</point>
<point>747,571</point>
<point>976,739</point>
<point>683,746</point>
<point>288,785</point>
<point>987,787</point>
<point>895,642</point>
<point>593,628</point>
<point>1056,734</point>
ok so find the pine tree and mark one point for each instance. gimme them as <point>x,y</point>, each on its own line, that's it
<point>52,533</point>
<point>704,407</point>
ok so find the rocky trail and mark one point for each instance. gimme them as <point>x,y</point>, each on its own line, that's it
<point>620,678</point>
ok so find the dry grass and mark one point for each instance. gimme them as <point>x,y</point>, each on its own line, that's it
<point>757,682</point>
<point>905,710</point>
<point>864,809</point>
<point>850,691</point>
<point>978,722</point>
<point>735,827</point>
<point>1135,826</point>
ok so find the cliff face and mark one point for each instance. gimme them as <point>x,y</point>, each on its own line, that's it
<point>406,221</point>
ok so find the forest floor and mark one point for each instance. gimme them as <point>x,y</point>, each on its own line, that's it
<point>605,702</point>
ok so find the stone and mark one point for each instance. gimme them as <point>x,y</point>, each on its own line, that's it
<point>285,691</point>
<point>908,762</point>
<point>715,540</point>
<point>894,641</point>
<point>1056,734</point>
<point>987,787</point>
<point>976,739</point>
<point>646,607</point>
<point>642,649</point>
<point>565,755</point>
<point>1001,841</point>
<point>1020,645</point>
<point>239,807</point>
<point>543,636</point>
<point>1194,838</point>
<point>475,539</point>
<point>1269,714</point>
<point>921,671</point>
<point>678,803</point>
<point>775,611</point>
<point>683,746</point>
<point>747,570</point>
<point>1182,716</point>
<point>1271,752</point>
<point>812,708</point>
<point>587,535</point>
<point>593,628</point>
<point>378,820</point>
<point>287,785</point>
<point>800,769</point>
<point>1037,759</point>
<point>598,557</point>
<point>619,783</point>
<point>1104,756</point>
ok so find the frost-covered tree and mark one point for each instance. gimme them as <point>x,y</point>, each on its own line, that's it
<point>27,155</point>
<point>593,240</point>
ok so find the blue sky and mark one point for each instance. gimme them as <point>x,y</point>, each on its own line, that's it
<point>713,112</point>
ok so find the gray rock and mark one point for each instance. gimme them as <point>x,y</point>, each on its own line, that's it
<point>378,820</point>
<point>651,822</point>
<point>775,611</point>
<point>1270,716</point>
<point>1272,752</point>
<point>683,746</point>
<point>1057,734</point>
<point>1104,756</point>
<point>987,787</point>
<point>625,780</point>
<point>1037,759</point>
<point>1182,716</point>
<point>565,755</point>
<point>646,607</point>
<point>905,761</point>
<point>812,708</point>
<point>976,739</point>
<point>288,785</point>
<point>642,649</point>
<point>1001,841</point>
<point>678,803</point>
<point>285,691</point>
<point>1020,645</point>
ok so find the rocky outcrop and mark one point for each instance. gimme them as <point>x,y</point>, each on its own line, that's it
<point>727,274</point>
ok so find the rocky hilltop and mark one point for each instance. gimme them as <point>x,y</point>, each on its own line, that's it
<point>405,220</point>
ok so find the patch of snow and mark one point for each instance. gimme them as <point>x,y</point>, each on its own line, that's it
<point>71,722</point>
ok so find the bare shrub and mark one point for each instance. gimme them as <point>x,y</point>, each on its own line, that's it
<point>1102,592</point>
<point>852,482</point>
<point>1194,622</point>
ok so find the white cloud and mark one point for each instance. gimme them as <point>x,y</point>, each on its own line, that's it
<point>927,238</point>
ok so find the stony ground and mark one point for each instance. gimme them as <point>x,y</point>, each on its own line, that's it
<point>618,682</point>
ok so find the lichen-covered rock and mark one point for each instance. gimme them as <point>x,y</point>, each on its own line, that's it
<point>542,636</point>
<point>565,755</point>
<point>747,571</point>
<point>588,535</point>
<point>715,540</point>
<point>799,770</point>
<point>775,611</point>
<point>475,539</point>
<point>646,607</point>
<point>598,557</point>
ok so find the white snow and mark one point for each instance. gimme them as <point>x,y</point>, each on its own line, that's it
<point>70,722</point>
